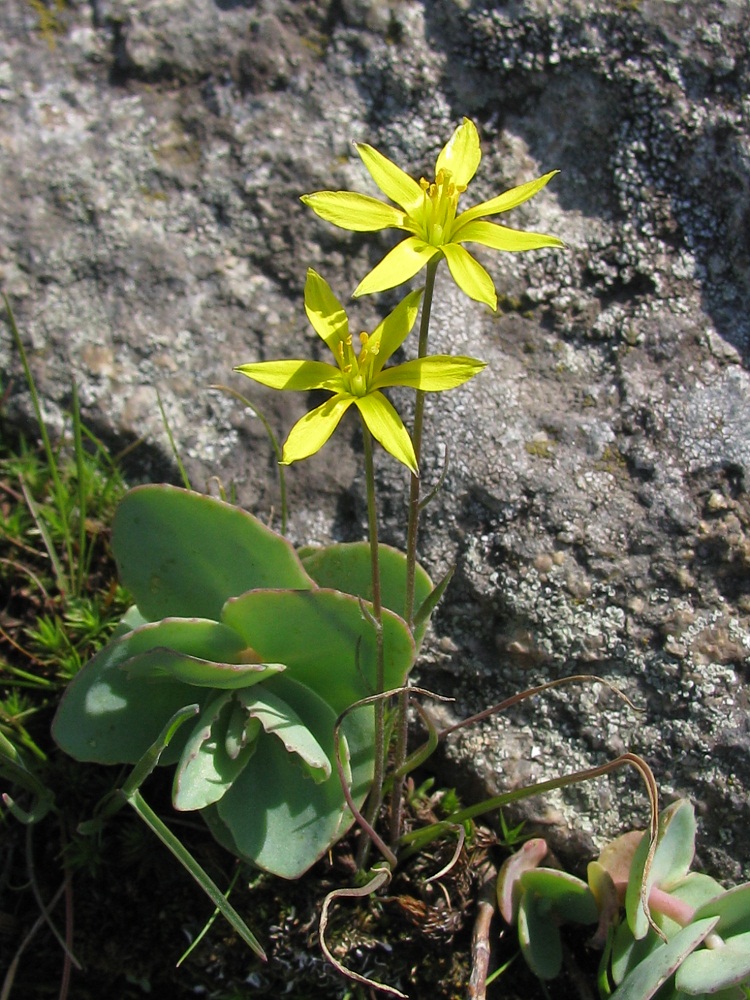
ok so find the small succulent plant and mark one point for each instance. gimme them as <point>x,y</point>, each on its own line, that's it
<point>691,940</point>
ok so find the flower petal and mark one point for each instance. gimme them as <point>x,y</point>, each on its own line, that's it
<point>294,375</point>
<point>324,310</point>
<point>401,263</point>
<point>387,427</point>
<point>395,183</point>
<point>313,430</point>
<point>489,234</point>
<point>358,212</point>
<point>391,332</point>
<point>469,275</point>
<point>503,202</point>
<point>461,154</point>
<point>431,374</point>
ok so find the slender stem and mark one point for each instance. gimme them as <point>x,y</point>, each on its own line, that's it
<point>413,525</point>
<point>412,533</point>
<point>376,793</point>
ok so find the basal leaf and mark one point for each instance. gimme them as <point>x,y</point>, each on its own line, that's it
<point>206,770</point>
<point>323,639</point>
<point>274,814</point>
<point>182,553</point>
<point>649,975</point>
<point>163,662</point>
<point>347,567</point>
<point>279,719</point>
<point>108,717</point>
<point>711,969</point>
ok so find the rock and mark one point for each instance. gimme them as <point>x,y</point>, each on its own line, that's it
<point>595,503</point>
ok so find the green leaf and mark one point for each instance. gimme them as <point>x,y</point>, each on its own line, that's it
<point>182,553</point>
<point>274,814</point>
<point>711,969</point>
<point>110,718</point>
<point>649,975</point>
<point>206,770</point>
<point>277,717</point>
<point>732,908</point>
<point>323,639</point>
<point>347,567</point>
<point>164,662</point>
<point>566,896</point>
<point>539,937</point>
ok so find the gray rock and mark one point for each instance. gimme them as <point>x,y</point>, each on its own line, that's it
<point>595,503</point>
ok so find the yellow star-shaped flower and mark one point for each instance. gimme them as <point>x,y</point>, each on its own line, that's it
<point>428,211</point>
<point>359,375</point>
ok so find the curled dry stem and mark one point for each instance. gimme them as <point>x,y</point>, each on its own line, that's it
<point>539,689</point>
<point>413,761</point>
<point>381,877</point>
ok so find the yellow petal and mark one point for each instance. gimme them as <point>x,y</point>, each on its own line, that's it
<point>432,374</point>
<point>358,212</point>
<point>300,375</point>
<point>392,180</point>
<point>402,263</point>
<point>489,234</point>
<point>311,432</point>
<point>324,310</point>
<point>391,332</point>
<point>461,154</point>
<point>469,275</point>
<point>386,426</point>
<point>503,202</point>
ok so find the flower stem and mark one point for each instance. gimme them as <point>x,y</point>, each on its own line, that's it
<point>412,533</point>
<point>375,797</point>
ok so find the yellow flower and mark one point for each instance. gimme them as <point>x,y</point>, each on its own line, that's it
<point>427,210</point>
<point>359,375</point>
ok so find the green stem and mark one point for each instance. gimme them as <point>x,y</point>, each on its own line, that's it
<point>375,797</point>
<point>412,533</point>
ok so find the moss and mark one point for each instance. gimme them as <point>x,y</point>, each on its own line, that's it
<point>543,448</point>
<point>49,19</point>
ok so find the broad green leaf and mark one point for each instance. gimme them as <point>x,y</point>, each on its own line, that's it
<point>731,907</point>
<point>275,814</point>
<point>627,953</point>
<point>182,553</point>
<point>539,937</point>
<point>347,567</point>
<point>649,975</point>
<point>711,969</point>
<point>206,770</point>
<point>108,717</point>
<point>694,890</point>
<point>278,718</point>
<point>562,894</point>
<point>323,639</point>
